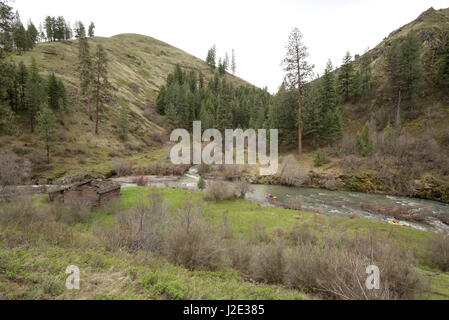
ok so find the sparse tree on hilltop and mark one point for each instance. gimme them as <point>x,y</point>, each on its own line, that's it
<point>92,30</point>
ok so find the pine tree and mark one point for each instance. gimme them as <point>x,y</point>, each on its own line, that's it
<point>345,77</point>
<point>80,30</point>
<point>233,66</point>
<point>84,67</point>
<point>92,30</point>
<point>35,93</point>
<point>32,33</point>
<point>49,25</point>
<point>53,92</point>
<point>123,124</point>
<point>19,35</point>
<point>329,93</point>
<point>46,128</point>
<point>297,70</point>
<point>201,184</point>
<point>365,72</point>
<point>226,62</point>
<point>100,83</point>
<point>22,78</point>
<point>410,66</point>
<point>443,69</point>
<point>211,57</point>
<point>6,26</point>
<point>60,29</point>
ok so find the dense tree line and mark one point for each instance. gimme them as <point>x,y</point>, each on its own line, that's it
<point>224,65</point>
<point>188,96</point>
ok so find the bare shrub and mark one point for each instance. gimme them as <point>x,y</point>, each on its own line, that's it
<point>348,144</point>
<point>240,254</point>
<point>11,169</point>
<point>241,188</point>
<point>293,203</point>
<point>80,211</point>
<point>219,191</point>
<point>122,167</point>
<point>399,212</point>
<point>191,241</point>
<point>231,172</point>
<point>203,169</point>
<point>338,269</point>
<point>140,228</point>
<point>141,181</point>
<point>301,234</point>
<point>259,234</point>
<point>267,264</point>
<point>438,252</point>
<point>20,213</point>
<point>291,172</point>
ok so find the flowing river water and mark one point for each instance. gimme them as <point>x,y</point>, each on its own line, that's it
<point>337,203</point>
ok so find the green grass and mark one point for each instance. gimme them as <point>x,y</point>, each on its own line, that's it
<point>37,270</point>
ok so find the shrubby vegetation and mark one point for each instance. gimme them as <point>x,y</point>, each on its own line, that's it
<point>318,257</point>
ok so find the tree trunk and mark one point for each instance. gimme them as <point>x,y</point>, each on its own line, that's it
<point>96,122</point>
<point>299,111</point>
<point>48,153</point>
<point>31,122</point>
<point>398,113</point>
<point>88,102</point>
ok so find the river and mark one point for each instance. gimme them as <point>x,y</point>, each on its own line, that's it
<point>336,203</point>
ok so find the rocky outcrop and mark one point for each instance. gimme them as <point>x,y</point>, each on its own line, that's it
<point>428,188</point>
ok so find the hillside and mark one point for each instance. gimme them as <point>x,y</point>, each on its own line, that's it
<point>413,160</point>
<point>138,66</point>
<point>431,27</point>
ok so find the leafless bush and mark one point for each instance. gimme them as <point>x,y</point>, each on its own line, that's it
<point>20,213</point>
<point>232,172</point>
<point>141,181</point>
<point>240,254</point>
<point>292,173</point>
<point>267,264</point>
<point>219,191</point>
<point>259,234</point>
<point>293,203</point>
<point>241,188</point>
<point>12,171</point>
<point>140,228</point>
<point>391,209</point>
<point>80,211</point>
<point>338,269</point>
<point>348,144</point>
<point>122,167</point>
<point>192,241</point>
<point>438,252</point>
<point>301,234</point>
<point>203,169</point>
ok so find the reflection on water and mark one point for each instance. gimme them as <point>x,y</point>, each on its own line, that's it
<point>338,203</point>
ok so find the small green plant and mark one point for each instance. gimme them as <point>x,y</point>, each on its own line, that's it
<point>201,184</point>
<point>365,144</point>
<point>320,158</point>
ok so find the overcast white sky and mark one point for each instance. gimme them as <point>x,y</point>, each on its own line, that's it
<point>257,30</point>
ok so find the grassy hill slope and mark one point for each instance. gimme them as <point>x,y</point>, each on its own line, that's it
<point>138,66</point>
